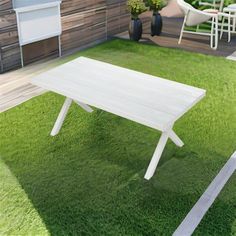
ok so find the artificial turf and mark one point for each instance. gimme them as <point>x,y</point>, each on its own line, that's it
<point>88,180</point>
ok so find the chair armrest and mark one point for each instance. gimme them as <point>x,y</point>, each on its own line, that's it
<point>207,13</point>
<point>226,14</point>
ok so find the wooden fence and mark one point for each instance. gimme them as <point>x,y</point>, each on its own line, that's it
<point>84,23</point>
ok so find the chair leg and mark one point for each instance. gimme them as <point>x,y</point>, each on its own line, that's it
<point>181,35</point>
<point>229,28</point>
<point>216,33</point>
<point>198,26</point>
<point>234,22</point>
<point>222,27</point>
<point>182,29</point>
<point>212,33</point>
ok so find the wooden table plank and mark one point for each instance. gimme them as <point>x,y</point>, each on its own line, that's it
<point>143,98</point>
<point>146,99</point>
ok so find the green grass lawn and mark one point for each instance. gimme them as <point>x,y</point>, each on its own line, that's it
<point>88,180</point>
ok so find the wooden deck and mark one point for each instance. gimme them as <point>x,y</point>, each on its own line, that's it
<point>15,86</point>
<point>170,35</point>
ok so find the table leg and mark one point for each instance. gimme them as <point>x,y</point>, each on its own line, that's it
<point>61,117</point>
<point>174,137</point>
<point>159,149</point>
<point>156,156</point>
<point>85,106</point>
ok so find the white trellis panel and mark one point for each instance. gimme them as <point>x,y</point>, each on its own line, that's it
<point>38,21</point>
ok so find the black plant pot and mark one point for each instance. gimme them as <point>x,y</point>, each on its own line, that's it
<point>135,29</point>
<point>156,24</point>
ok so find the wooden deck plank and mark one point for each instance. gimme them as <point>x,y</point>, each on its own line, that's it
<point>27,92</point>
<point>11,81</point>
<point>15,86</point>
<point>170,35</point>
<point>132,97</point>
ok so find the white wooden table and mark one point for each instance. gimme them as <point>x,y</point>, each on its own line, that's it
<point>143,98</point>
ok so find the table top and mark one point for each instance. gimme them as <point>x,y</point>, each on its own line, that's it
<point>146,99</point>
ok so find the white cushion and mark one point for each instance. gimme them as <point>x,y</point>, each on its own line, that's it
<point>233,6</point>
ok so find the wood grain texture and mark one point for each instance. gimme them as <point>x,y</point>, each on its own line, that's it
<point>170,35</point>
<point>73,6</point>
<point>15,87</point>
<point>139,97</point>
<point>10,57</point>
<point>39,50</point>
<point>83,28</point>
<point>9,46</point>
<point>117,18</point>
<point>5,5</point>
<point>84,23</point>
<point>146,99</point>
<point>7,19</point>
<point>88,23</point>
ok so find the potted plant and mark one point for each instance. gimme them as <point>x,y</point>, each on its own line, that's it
<point>156,23</point>
<point>136,7</point>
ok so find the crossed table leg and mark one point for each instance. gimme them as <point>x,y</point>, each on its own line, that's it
<point>62,115</point>
<point>159,149</point>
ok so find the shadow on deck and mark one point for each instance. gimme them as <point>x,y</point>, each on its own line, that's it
<point>170,35</point>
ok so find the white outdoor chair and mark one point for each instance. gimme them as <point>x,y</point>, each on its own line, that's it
<point>215,4</point>
<point>231,21</point>
<point>194,17</point>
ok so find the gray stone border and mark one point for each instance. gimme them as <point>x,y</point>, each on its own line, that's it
<point>194,217</point>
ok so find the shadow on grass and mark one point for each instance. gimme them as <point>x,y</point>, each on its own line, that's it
<point>89,179</point>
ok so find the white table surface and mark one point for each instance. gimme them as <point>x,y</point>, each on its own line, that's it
<point>146,99</point>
